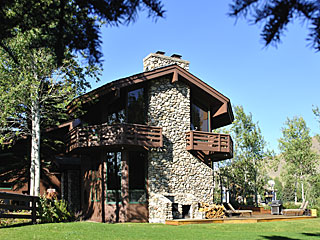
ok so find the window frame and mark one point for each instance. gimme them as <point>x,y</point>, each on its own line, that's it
<point>118,191</point>
<point>199,104</point>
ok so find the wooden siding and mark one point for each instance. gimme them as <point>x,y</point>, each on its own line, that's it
<point>216,146</point>
<point>118,134</point>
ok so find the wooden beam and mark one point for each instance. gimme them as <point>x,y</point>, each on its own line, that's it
<point>175,76</point>
<point>223,109</point>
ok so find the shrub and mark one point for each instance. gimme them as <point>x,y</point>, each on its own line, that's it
<point>291,205</point>
<point>12,221</point>
<point>316,205</point>
<point>54,210</point>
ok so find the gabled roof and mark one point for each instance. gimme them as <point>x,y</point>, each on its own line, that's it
<point>176,73</point>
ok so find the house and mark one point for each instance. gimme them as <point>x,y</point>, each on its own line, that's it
<point>141,148</point>
<point>146,144</point>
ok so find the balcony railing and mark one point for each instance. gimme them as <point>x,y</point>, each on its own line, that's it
<point>215,146</point>
<point>110,135</point>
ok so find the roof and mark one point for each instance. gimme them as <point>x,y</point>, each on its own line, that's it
<point>176,73</point>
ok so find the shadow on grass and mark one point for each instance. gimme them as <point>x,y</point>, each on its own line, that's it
<point>17,225</point>
<point>279,238</point>
<point>312,234</point>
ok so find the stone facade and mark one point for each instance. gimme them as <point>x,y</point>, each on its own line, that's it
<point>154,60</point>
<point>173,172</point>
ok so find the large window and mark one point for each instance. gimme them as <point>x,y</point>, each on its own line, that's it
<point>136,108</point>
<point>6,185</point>
<point>137,177</point>
<point>113,176</point>
<point>199,118</point>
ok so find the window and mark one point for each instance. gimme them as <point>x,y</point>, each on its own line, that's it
<point>113,170</point>
<point>136,108</point>
<point>199,118</point>
<point>6,185</point>
<point>137,177</point>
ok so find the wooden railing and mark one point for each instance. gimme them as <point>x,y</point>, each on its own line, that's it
<point>210,143</point>
<point>28,203</point>
<point>118,134</point>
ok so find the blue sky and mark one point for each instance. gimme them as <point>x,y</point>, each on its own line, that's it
<point>271,83</point>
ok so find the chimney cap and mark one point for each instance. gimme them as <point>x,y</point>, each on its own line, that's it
<point>160,52</point>
<point>176,56</point>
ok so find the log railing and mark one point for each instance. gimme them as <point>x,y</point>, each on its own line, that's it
<point>29,204</point>
<point>117,134</point>
<point>212,143</point>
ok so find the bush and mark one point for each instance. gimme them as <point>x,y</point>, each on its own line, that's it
<point>316,205</point>
<point>291,205</point>
<point>54,210</point>
<point>12,221</point>
<point>266,207</point>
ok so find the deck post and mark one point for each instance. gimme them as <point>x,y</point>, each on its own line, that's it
<point>125,184</point>
<point>34,210</point>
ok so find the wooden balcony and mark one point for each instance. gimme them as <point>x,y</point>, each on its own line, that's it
<point>114,135</point>
<point>210,146</point>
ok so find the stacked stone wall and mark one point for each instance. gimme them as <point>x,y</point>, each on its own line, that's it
<point>172,170</point>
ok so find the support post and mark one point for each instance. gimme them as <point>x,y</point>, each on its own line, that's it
<point>125,184</point>
<point>34,210</point>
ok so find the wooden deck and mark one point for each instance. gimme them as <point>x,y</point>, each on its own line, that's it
<point>213,146</point>
<point>111,135</point>
<point>254,219</point>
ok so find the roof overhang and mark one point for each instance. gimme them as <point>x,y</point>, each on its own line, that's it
<point>176,74</point>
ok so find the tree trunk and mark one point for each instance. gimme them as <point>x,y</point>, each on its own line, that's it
<point>221,197</point>
<point>35,149</point>
<point>295,193</point>
<point>255,184</point>
<point>302,191</point>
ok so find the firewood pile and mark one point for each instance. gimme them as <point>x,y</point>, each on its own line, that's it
<point>212,210</point>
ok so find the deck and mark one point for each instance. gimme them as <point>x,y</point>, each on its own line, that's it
<point>253,219</point>
<point>111,135</point>
<point>211,146</point>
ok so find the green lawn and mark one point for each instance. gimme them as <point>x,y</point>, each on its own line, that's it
<point>291,230</point>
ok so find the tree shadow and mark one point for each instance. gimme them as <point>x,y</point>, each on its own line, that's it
<point>312,234</point>
<point>279,238</point>
<point>17,225</point>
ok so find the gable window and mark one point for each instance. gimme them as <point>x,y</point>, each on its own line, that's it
<point>136,106</point>
<point>199,118</point>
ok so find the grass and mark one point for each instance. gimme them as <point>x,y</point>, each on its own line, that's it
<point>290,230</point>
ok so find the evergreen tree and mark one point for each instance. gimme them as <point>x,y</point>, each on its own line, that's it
<point>275,15</point>
<point>73,25</point>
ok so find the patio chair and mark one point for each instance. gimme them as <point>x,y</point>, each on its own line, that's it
<point>237,212</point>
<point>299,211</point>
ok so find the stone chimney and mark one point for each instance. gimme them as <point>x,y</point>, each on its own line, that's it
<point>158,59</point>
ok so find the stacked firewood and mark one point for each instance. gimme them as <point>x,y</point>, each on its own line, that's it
<point>212,210</point>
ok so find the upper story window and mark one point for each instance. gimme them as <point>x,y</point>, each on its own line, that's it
<point>136,106</point>
<point>200,120</point>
